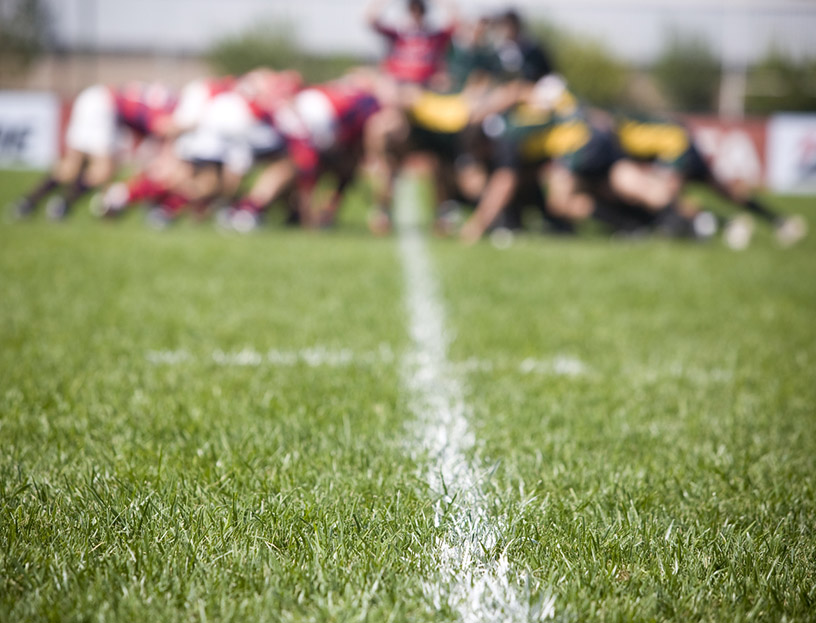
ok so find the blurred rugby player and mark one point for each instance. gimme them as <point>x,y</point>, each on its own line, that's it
<point>98,117</point>
<point>323,128</point>
<point>416,50</point>
<point>662,158</point>
<point>161,174</point>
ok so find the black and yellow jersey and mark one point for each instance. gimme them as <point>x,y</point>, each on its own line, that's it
<point>561,140</point>
<point>525,118</point>
<point>665,142</point>
<point>531,135</point>
<point>548,134</point>
<point>442,114</point>
<point>659,140</point>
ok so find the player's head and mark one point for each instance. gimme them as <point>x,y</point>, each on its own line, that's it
<point>277,88</point>
<point>417,10</point>
<point>287,82</point>
<point>474,33</point>
<point>269,88</point>
<point>509,24</point>
<point>480,29</point>
<point>251,83</point>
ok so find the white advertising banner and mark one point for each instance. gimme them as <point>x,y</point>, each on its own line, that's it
<point>29,129</point>
<point>792,153</point>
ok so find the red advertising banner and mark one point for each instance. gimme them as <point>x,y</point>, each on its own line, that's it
<point>735,150</point>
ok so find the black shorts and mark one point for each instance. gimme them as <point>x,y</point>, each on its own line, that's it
<point>692,165</point>
<point>442,144</point>
<point>595,159</point>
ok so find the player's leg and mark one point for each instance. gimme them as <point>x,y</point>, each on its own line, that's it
<point>467,173</point>
<point>499,192</point>
<point>67,170</point>
<point>656,190</point>
<point>271,184</point>
<point>148,185</point>
<point>531,194</point>
<point>644,185</point>
<point>91,136</point>
<point>471,161</point>
<point>512,216</point>
<point>263,145</point>
<point>344,165</point>
<point>166,193</point>
<point>214,153</point>
<point>579,183</point>
<point>788,229</point>
<point>471,179</point>
<point>440,169</point>
<point>97,171</point>
<point>231,185</point>
<point>385,139</point>
<point>87,133</point>
<point>565,199</point>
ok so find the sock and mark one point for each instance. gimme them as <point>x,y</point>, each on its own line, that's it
<point>173,202</point>
<point>616,216</point>
<point>671,222</point>
<point>249,205</point>
<point>753,206</point>
<point>554,224</point>
<point>334,202</point>
<point>142,187</point>
<point>292,212</point>
<point>45,187</point>
<point>76,191</point>
<point>558,225</point>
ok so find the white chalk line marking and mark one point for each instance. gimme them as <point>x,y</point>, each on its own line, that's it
<point>474,584</point>
<point>318,356</point>
<point>314,357</point>
<point>557,366</point>
<point>564,366</point>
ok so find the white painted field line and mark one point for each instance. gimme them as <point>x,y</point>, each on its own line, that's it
<point>322,356</point>
<point>475,585</point>
<point>313,357</point>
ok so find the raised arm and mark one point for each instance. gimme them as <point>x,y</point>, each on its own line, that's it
<point>452,9</point>
<point>374,12</point>
<point>499,99</point>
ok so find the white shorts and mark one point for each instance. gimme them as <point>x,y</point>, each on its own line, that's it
<point>92,127</point>
<point>229,134</point>
<point>200,145</point>
<point>264,139</point>
<point>227,114</point>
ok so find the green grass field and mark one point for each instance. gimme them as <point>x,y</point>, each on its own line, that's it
<point>199,427</point>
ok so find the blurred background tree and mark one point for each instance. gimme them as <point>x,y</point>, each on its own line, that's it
<point>688,73</point>
<point>24,34</point>
<point>273,45</point>
<point>593,72</point>
<point>684,78</point>
<point>778,82</point>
